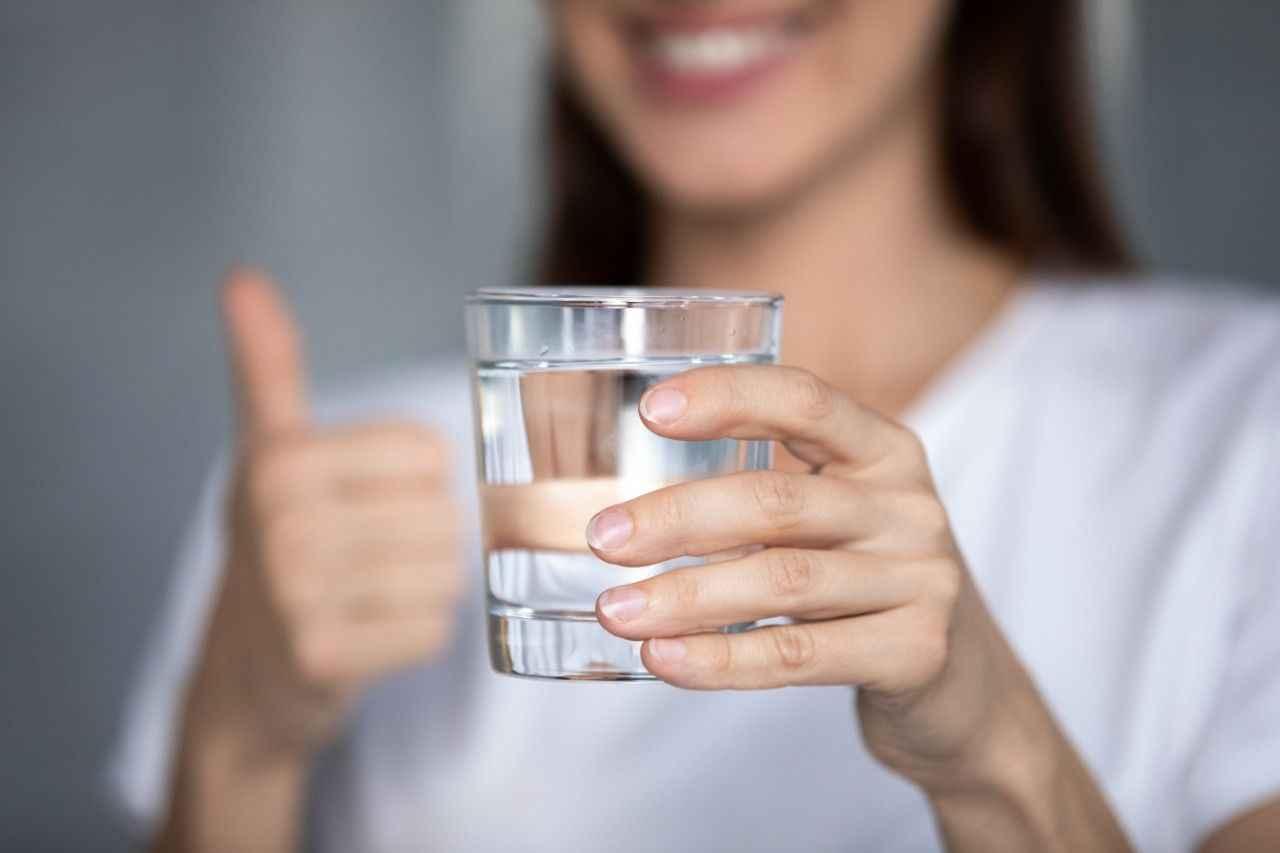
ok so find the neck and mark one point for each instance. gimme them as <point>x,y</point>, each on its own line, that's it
<point>883,285</point>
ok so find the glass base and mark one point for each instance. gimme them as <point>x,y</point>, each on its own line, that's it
<point>563,645</point>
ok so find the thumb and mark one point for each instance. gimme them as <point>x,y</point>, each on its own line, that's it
<point>266,356</point>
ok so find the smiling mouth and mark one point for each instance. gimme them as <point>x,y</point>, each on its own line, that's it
<point>699,58</point>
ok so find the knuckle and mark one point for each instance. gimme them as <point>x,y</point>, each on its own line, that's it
<point>313,656</point>
<point>934,520</point>
<point>284,540</point>
<point>686,589</point>
<point>943,583</point>
<point>779,497</point>
<point>926,513</point>
<point>672,510</point>
<point>737,398</point>
<point>813,398</point>
<point>910,439</point>
<point>276,467</point>
<point>793,647</point>
<point>912,446</point>
<point>722,660</point>
<point>790,571</point>
<point>932,648</point>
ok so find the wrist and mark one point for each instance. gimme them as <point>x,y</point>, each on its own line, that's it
<point>230,793</point>
<point>224,729</point>
<point>238,709</point>
<point>223,749</point>
<point>1012,779</point>
<point>1018,784</point>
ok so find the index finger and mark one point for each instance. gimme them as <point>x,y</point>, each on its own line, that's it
<point>818,423</point>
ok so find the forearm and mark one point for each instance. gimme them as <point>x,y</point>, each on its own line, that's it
<point>1034,794</point>
<point>229,795</point>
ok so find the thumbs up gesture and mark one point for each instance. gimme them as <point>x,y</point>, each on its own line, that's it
<point>342,559</point>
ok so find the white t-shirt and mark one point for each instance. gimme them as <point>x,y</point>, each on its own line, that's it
<point>1110,457</point>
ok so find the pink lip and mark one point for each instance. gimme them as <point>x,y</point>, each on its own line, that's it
<point>694,20</point>
<point>673,86</point>
<point>705,87</point>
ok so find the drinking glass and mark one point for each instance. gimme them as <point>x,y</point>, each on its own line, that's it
<point>557,377</point>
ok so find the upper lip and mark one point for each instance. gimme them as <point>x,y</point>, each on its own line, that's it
<point>649,21</point>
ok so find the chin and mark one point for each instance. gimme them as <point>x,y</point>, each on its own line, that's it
<point>731,169</point>
<point>721,190</point>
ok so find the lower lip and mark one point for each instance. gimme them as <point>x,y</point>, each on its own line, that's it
<point>702,88</point>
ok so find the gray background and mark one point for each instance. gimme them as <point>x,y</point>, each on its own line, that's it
<point>373,156</point>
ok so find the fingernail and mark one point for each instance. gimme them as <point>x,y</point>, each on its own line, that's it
<point>623,603</point>
<point>609,529</point>
<point>668,651</point>
<point>663,405</point>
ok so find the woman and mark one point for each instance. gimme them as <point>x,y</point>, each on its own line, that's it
<point>1061,621</point>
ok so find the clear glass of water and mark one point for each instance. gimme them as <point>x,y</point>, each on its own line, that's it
<point>557,378</point>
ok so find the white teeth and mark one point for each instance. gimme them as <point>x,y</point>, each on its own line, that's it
<point>717,51</point>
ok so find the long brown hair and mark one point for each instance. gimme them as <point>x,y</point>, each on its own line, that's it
<point>1018,149</point>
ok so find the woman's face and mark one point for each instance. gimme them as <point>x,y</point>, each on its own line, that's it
<point>727,105</point>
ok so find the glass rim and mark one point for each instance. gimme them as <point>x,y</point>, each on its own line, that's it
<point>619,297</point>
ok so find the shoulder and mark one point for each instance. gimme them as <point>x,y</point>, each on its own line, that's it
<point>1201,348</point>
<point>1161,322</point>
<point>1155,393</point>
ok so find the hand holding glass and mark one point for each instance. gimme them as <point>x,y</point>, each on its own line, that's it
<point>558,376</point>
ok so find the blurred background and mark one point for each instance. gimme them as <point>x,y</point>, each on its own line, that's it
<point>374,156</point>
